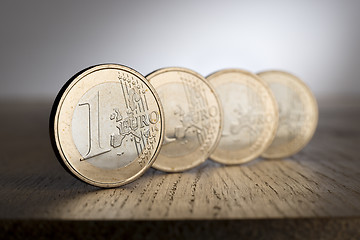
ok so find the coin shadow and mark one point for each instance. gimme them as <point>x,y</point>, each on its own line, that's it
<point>213,164</point>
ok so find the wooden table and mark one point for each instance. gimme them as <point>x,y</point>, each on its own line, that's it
<point>314,194</point>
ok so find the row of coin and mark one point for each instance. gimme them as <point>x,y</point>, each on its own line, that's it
<point>109,123</point>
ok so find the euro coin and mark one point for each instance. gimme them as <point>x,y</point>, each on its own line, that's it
<point>107,125</point>
<point>250,116</point>
<point>298,114</point>
<point>193,118</point>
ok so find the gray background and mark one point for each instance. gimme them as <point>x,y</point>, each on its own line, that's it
<point>43,43</point>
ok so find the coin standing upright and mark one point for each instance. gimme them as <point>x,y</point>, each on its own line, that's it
<point>298,113</point>
<point>193,118</point>
<point>250,116</point>
<point>107,125</point>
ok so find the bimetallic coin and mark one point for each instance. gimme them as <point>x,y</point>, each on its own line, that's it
<point>250,116</point>
<point>298,114</point>
<point>107,125</point>
<point>193,118</point>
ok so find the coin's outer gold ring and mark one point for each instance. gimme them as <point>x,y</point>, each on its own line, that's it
<point>54,122</point>
<point>213,147</point>
<point>280,155</point>
<point>271,136</point>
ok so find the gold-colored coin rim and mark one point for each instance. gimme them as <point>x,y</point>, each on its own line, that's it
<point>267,143</point>
<point>316,114</point>
<point>54,123</point>
<point>213,147</point>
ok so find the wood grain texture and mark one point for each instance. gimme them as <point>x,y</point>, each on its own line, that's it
<point>323,180</point>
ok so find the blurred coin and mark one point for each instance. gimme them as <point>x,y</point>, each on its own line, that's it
<point>250,116</point>
<point>298,114</point>
<point>193,118</point>
<point>107,125</point>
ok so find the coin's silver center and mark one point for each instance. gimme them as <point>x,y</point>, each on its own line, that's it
<point>291,114</point>
<point>187,116</point>
<point>111,125</point>
<point>244,118</point>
